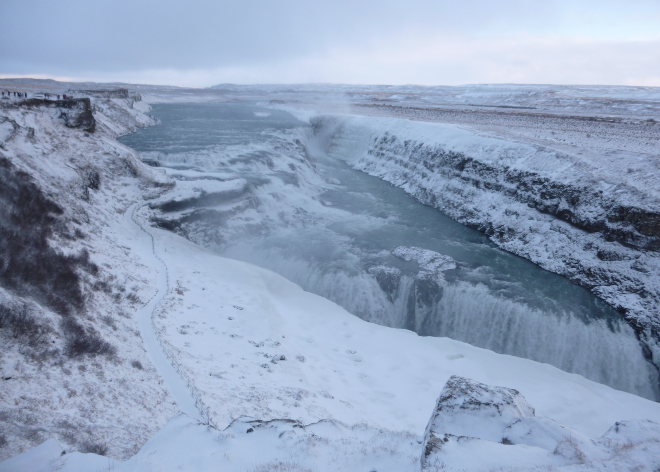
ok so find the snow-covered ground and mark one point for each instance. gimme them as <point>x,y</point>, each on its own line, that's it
<point>252,344</point>
<point>267,376</point>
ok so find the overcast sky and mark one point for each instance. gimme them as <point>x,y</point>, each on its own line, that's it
<point>205,42</point>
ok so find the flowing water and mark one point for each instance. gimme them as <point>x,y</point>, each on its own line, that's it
<point>374,249</point>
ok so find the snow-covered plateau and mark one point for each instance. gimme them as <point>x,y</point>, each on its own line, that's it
<point>129,347</point>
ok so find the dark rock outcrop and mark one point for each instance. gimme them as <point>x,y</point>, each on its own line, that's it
<point>76,112</point>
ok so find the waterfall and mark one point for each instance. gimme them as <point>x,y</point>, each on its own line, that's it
<point>601,349</point>
<point>309,216</point>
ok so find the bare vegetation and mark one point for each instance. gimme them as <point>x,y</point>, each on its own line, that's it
<point>31,268</point>
<point>82,340</point>
<point>20,323</point>
<point>95,448</point>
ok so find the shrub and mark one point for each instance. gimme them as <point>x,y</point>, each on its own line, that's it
<point>28,265</point>
<point>91,178</point>
<point>19,320</point>
<point>108,320</point>
<point>95,448</point>
<point>81,341</point>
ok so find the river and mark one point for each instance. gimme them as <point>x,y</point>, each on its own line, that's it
<point>375,250</point>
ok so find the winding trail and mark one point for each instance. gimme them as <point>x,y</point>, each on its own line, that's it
<point>181,390</point>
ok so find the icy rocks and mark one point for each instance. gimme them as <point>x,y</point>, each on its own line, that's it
<point>464,404</point>
<point>431,264</point>
<point>388,278</point>
<point>478,427</point>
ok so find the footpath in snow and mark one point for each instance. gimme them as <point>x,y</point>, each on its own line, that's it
<point>178,388</point>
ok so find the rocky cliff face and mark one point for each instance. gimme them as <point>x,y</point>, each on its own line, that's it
<point>591,209</point>
<point>75,112</point>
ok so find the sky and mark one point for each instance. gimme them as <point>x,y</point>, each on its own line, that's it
<point>199,43</point>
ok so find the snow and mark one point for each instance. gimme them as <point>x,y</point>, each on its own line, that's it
<point>115,403</point>
<point>190,174</point>
<point>239,348</point>
<point>281,445</point>
<point>175,384</point>
<point>473,420</point>
<point>431,263</point>
<point>192,190</point>
<point>609,171</point>
<point>335,366</point>
<point>475,455</point>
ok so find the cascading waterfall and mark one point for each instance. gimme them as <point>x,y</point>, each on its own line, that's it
<point>604,350</point>
<point>333,230</point>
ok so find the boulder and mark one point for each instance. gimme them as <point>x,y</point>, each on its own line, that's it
<point>473,421</point>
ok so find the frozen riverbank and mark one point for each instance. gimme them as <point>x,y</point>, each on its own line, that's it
<point>257,185</point>
<point>573,215</point>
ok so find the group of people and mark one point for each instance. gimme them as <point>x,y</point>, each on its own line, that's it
<point>9,94</point>
<point>15,94</point>
<point>63,96</point>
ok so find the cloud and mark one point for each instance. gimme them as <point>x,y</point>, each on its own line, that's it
<point>420,41</point>
<point>439,60</point>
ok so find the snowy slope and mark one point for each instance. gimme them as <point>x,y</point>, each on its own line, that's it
<point>104,402</point>
<point>253,344</point>
<point>257,345</point>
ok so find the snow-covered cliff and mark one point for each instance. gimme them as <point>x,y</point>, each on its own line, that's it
<point>593,218</point>
<point>72,362</point>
